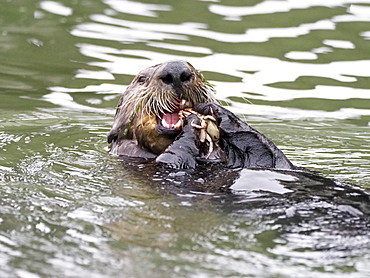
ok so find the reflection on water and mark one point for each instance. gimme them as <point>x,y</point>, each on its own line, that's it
<point>295,70</point>
<point>250,180</point>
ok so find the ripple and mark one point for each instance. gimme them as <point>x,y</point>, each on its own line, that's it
<point>270,7</point>
<point>56,8</point>
<point>67,101</point>
<point>137,8</point>
<point>70,209</point>
<point>266,70</point>
<point>301,55</point>
<point>137,31</point>
<point>339,44</point>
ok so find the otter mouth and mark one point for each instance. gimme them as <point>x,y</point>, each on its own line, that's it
<point>173,120</point>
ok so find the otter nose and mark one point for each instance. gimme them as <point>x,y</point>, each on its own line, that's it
<point>176,73</point>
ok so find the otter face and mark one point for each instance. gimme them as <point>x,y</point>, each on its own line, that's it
<point>148,112</point>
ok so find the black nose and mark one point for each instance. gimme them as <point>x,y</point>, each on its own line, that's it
<point>176,73</point>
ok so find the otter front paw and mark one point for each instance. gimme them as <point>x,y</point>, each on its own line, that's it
<point>244,146</point>
<point>176,161</point>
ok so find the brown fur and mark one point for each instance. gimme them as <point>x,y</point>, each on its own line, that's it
<point>152,92</point>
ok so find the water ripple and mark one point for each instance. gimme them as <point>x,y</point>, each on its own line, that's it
<point>70,209</point>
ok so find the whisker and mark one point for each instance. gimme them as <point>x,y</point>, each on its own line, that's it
<point>156,100</point>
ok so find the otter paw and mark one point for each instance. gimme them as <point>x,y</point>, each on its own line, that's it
<point>176,161</point>
<point>210,108</point>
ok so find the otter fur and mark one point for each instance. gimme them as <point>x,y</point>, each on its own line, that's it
<point>150,123</point>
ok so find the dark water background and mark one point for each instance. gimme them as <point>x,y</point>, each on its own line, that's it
<point>299,71</point>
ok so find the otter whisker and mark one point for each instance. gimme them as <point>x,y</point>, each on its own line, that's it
<point>148,98</point>
<point>159,102</point>
<point>137,102</point>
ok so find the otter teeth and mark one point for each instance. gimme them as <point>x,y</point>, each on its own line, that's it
<point>165,124</point>
<point>178,124</point>
<point>175,126</point>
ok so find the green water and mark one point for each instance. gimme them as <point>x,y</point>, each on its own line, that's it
<point>69,209</point>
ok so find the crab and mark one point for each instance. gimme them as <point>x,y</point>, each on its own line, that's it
<point>208,129</point>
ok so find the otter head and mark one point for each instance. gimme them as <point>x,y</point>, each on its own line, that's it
<point>148,111</point>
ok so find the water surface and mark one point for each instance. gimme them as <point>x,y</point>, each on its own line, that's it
<point>295,70</point>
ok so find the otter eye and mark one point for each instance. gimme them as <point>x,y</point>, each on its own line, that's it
<point>141,79</point>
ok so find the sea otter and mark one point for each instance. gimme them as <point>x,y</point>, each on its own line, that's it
<point>168,113</point>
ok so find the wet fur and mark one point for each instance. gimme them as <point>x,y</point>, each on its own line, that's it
<point>145,99</point>
<point>136,131</point>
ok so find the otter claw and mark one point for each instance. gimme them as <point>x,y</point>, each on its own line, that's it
<point>208,130</point>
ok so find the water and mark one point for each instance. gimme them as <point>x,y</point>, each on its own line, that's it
<point>295,70</point>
